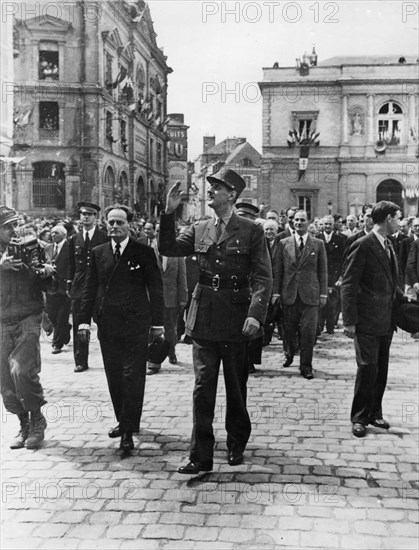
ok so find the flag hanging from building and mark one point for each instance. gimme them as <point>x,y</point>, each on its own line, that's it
<point>303,160</point>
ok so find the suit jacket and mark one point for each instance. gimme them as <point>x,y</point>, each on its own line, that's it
<point>334,251</point>
<point>284,234</point>
<point>305,276</point>
<point>78,260</point>
<point>129,293</point>
<point>369,287</point>
<point>349,242</point>
<point>412,268</point>
<point>61,265</point>
<point>404,253</point>
<point>242,253</point>
<point>175,289</point>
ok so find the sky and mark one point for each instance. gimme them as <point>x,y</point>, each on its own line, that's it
<point>217,50</point>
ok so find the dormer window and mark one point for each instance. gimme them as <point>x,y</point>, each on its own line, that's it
<point>247,162</point>
<point>48,68</point>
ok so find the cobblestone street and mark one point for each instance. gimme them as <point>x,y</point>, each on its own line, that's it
<point>306,481</point>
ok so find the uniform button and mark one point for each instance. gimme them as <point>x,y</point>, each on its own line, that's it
<point>217,261</point>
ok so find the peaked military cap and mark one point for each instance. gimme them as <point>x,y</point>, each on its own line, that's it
<point>231,179</point>
<point>7,215</point>
<point>89,206</point>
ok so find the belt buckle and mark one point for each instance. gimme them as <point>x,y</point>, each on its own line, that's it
<point>234,280</point>
<point>216,282</point>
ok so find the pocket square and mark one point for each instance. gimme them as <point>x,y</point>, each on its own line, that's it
<point>312,254</point>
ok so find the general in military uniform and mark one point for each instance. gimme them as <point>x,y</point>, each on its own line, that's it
<point>79,250</point>
<point>228,308</point>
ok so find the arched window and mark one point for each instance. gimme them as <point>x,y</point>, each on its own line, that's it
<point>48,185</point>
<point>390,190</point>
<point>390,121</point>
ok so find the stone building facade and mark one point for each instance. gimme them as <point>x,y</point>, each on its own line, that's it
<point>89,106</point>
<point>359,117</point>
<point>235,153</point>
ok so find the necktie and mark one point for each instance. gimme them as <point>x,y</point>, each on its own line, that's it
<point>55,253</point>
<point>387,247</point>
<point>301,244</point>
<point>87,241</point>
<point>219,228</point>
<point>117,252</point>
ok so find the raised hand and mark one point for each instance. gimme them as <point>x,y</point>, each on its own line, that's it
<point>174,197</point>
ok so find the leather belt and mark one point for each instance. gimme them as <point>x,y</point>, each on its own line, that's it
<point>217,282</point>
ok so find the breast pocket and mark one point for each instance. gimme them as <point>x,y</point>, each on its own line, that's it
<point>238,255</point>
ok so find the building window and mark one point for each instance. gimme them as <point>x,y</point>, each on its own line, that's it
<point>49,115</point>
<point>108,127</point>
<point>151,153</point>
<point>304,125</point>
<point>248,181</point>
<point>48,67</point>
<point>123,136</point>
<point>304,203</point>
<point>108,186</point>
<point>108,72</point>
<point>48,185</point>
<point>159,157</point>
<point>246,162</point>
<point>390,120</point>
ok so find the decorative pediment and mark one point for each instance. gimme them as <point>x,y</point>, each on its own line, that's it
<point>112,38</point>
<point>47,23</point>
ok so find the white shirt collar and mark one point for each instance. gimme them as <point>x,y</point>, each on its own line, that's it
<point>90,232</point>
<point>59,245</point>
<point>381,239</point>
<point>327,236</point>
<point>297,238</point>
<point>123,245</point>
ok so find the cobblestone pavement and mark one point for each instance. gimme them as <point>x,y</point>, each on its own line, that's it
<point>306,481</point>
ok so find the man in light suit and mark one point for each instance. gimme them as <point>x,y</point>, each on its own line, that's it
<point>300,282</point>
<point>125,281</point>
<point>228,308</point>
<point>57,302</point>
<point>79,253</point>
<point>368,292</point>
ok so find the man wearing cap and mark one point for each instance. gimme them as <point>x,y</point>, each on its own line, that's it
<point>228,308</point>
<point>80,246</point>
<point>21,304</point>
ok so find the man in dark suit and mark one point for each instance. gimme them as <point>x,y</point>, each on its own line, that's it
<point>405,247</point>
<point>57,302</point>
<point>368,225</point>
<point>300,283</point>
<point>228,308</point>
<point>124,280</point>
<point>289,227</point>
<point>368,292</point>
<point>79,253</point>
<point>335,245</point>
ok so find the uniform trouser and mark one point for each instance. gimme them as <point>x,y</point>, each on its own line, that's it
<point>20,365</point>
<point>80,349</point>
<point>303,318</point>
<point>170,326</point>
<point>327,313</point>
<point>125,368</point>
<point>58,309</point>
<point>372,355</point>
<point>207,356</point>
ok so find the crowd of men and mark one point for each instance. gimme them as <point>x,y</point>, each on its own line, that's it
<point>225,282</point>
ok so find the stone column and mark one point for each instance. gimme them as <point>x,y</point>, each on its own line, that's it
<point>412,117</point>
<point>345,119</point>
<point>370,117</point>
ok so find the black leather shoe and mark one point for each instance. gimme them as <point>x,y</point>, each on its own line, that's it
<point>380,423</point>
<point>252,368</point>
<point>235,458</point>
<point>307,374</point>
<point>173,359</point>
<point>115,432</point>
<point>127,444</point>
<point>288,361</point>
<point>56,349</point>
<point>193,468</point>
<point>358,429</point>
<point>80,368</point>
